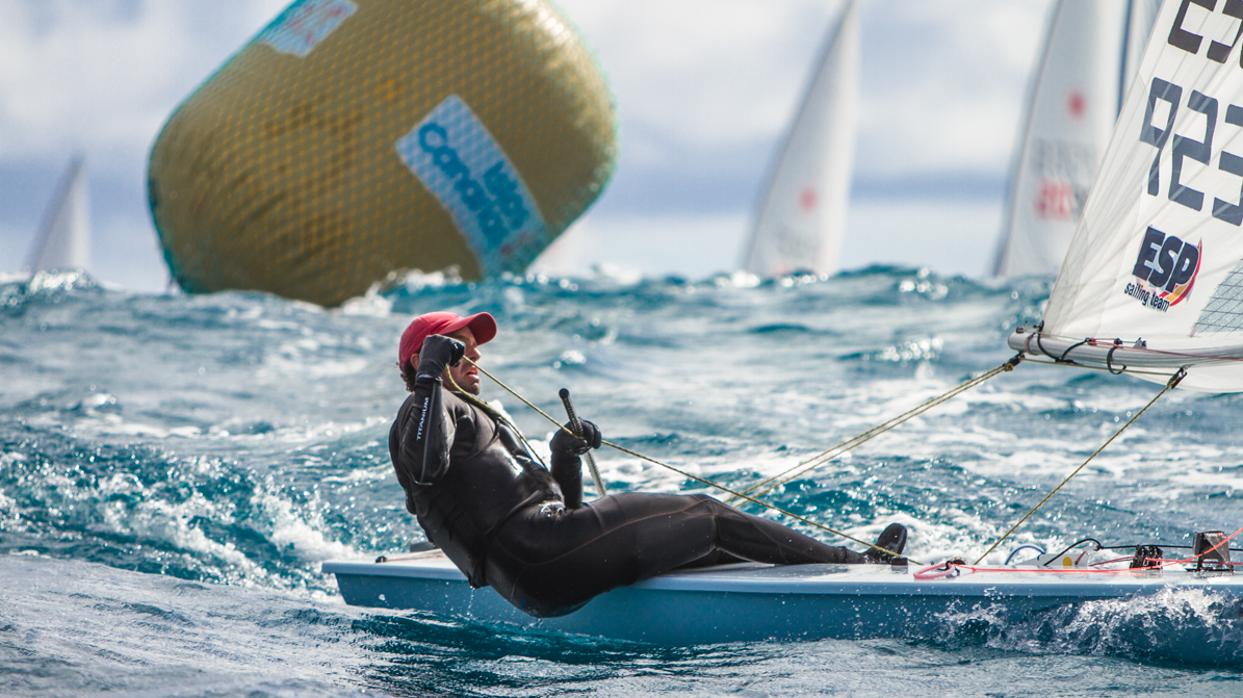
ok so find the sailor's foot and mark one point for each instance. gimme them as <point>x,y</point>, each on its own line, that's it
<point>890,540</point>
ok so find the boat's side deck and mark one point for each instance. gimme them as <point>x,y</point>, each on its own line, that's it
<point>848,579</point>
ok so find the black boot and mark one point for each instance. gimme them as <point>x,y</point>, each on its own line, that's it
<point>893,540</point>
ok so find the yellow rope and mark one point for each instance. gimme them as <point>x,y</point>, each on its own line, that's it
<point>516,394</point>
<point>487,409</point>
<point>768,484</point>
<point>1173,382</point>
<point>685,474</point>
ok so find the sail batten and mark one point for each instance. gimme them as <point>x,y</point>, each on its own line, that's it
<point>800,220</point>
<point>1153,277</point>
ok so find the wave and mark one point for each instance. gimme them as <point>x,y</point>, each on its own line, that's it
<point>240,439</point>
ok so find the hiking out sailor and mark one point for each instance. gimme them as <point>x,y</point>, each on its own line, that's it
<point>507,521</point>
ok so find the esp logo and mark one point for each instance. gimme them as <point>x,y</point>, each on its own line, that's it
<point>1167,263</point>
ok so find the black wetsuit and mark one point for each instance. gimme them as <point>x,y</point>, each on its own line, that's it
<point>506,521</point>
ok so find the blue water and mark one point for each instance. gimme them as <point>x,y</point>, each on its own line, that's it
<point>174,469</point>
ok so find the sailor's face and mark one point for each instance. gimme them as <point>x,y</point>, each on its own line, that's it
<point>465,374</point>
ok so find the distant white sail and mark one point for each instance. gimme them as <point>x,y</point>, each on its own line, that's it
<point>64,238</point>
<point>1157,261</point>
<point>801,219</point>
<point>1091,51</point>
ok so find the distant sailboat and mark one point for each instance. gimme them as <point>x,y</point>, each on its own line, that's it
<point>64,240</point>
<point>1091,52</point>
<point>801,218</point>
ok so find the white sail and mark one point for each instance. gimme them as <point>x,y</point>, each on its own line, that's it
<point>801,219</point>
<point>64,239</point>
<point>1140,17</point>
<point>1091,51</point>
<point>1157,261</point>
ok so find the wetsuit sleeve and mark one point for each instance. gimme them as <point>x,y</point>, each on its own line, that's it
<point>567,470</point>
<point>426,435</point>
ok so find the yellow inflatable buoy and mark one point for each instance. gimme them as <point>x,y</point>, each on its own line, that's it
<point>354,138</point>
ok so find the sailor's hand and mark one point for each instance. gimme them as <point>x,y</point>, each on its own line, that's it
<point>438,351</point>
<point>565,442</point>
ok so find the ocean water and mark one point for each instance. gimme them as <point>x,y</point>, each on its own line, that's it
<point>174,469</point>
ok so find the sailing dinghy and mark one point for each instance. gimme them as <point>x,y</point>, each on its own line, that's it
<point>1091,52</point>
<point>64,238</point>
<point>1152,286</point>
<point>801,219</point>
<point>734,603</point>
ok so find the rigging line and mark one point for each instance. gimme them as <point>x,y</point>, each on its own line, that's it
<point>770,483</point>
<point>753,500</point>
<point>521,399</point>
<point>825,456</point>
<point>495,414</point>
<point>1173,383</point>
<point>1062,359</point>
<point>690,476</point>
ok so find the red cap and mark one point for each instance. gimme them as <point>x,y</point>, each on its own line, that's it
<point>482,325</point>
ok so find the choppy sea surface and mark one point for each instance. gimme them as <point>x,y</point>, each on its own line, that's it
<point>174,469</point>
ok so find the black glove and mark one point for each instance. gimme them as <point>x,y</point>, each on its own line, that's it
<point>567,444</point>
<point>437,352</point>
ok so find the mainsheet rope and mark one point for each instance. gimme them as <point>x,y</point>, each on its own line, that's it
<point>770,483</point>
<point>667,466</point>
<point>1173,383</point>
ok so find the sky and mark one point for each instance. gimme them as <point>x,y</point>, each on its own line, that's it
<point>704,91</point>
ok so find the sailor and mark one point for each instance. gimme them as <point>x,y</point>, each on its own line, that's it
<point>507,521</point>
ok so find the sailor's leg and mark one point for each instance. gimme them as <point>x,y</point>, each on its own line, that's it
<point>551,564</point>
<point>716,557</point>
<point>761,540</point>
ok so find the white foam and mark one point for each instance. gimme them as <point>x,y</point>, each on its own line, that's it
<point>370,304</point>
<point>116,425</point>
<point>305,537</point>
<point>10,457</point>
<point>570,357</point>
<point>373,474</point>
<point>171,522</point>
<point>8,508</point>
<point>318,431</point>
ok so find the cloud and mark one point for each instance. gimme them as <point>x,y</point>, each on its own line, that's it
<point>944,89</point>
<point>942,84</point>
<point>103,76</point>
<point>708,73</point>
